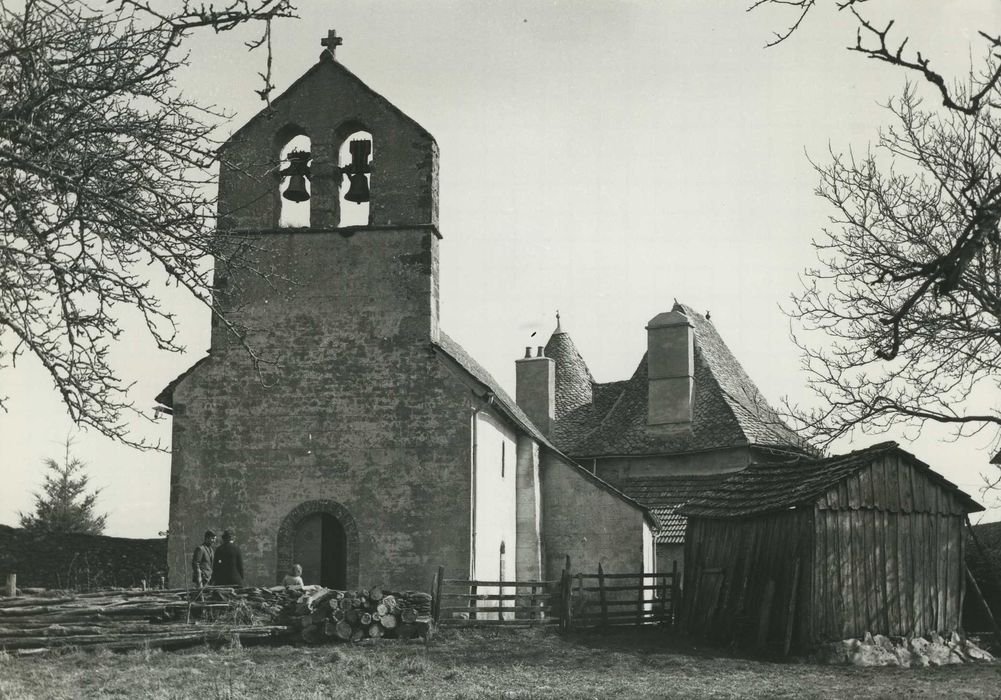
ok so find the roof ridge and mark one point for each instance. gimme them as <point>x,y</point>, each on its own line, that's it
<point>773,486</point>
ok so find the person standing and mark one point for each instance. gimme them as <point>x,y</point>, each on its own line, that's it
<point>227,569</point>
<point>201,560</point>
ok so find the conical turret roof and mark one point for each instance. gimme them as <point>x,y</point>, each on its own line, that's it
<point>574,383</point>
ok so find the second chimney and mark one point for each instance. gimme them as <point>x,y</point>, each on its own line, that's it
<point>671,370</point>
<point>535,392</point>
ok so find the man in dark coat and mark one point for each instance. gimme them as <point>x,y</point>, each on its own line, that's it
<point>201,560</point>
<point>227,569</point>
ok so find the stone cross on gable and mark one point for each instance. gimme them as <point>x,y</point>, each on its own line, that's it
<point>331,41</point>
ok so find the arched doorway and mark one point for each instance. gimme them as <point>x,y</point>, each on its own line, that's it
<point>319,545</point>
<point>323,538</point>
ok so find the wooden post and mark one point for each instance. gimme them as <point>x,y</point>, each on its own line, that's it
<point>662,595</point>
<point>641,600</point>
<point>601,596</point>
<point>436,603</point>
<point>580,595</point>
<point>983,601</point>
<point>500,589</point>
<point>566,595</point>
<point>565,620</point>
<point>474,603</point>
<point>675,593</point>
<point>11,585</point>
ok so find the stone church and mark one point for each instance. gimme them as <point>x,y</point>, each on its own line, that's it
<point>334,424</point>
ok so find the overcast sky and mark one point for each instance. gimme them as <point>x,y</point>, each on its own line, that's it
<point>600,158</point>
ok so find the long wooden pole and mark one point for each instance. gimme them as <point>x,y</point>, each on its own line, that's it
<point>791,611</point>
<point>988,562</point>
<point>983,601</point>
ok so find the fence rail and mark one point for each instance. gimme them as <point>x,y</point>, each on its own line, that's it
<point>571,601</point>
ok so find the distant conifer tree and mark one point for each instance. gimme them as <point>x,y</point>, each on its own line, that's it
<point>64,504</point>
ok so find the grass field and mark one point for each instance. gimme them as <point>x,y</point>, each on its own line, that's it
<point>503,663</point>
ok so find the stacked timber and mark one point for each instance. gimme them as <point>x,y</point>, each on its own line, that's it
<point>351,616</point>
<point>172,619</point>
<point>124,619</point>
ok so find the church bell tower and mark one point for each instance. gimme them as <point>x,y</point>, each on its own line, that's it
<point>335,190</point>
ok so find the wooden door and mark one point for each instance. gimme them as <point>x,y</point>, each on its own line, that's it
<point>319,546</point>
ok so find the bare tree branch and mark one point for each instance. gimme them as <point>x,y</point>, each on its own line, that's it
<point>106,190</point>
<point>906,299</point>
<point>895,53</point>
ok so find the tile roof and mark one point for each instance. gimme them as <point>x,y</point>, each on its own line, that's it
<point>768,487</point>
<point>672,526</point>
<point>663,495</point>
<point>728,409</point>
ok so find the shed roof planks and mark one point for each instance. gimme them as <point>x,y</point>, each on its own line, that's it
<point>881,476</point>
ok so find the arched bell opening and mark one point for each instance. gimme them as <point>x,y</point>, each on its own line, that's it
<point>354,159</point>
<point>293,173</point>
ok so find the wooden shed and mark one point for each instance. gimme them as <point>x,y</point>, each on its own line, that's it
<point>791,554</point>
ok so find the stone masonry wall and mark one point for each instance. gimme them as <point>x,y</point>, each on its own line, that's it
<point>359,412</point>
<point>80,562</point>
<point>587,522</point>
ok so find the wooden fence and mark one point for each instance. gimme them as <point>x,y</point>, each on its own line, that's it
<point>604,600</point>
<point>571,601</point>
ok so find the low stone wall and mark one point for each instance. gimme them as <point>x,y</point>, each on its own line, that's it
<point>878,650</point>
<point>80,562</point>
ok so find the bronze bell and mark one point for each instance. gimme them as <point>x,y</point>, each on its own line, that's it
<point>296,172</point>
<point>358,191</point>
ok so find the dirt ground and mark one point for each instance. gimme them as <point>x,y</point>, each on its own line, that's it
<point>501,663</point>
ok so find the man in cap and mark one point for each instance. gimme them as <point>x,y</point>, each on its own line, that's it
<point>201,560</point>
<point>227,569</point>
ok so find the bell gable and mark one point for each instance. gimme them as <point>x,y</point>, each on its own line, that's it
<point>330,107</point>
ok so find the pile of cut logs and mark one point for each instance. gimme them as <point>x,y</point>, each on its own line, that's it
<point>355,615</point>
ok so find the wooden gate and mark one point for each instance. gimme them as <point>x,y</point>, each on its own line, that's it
<point>604,600</point>
<point>464,603</point>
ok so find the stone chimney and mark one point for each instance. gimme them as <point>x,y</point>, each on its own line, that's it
<point>671,370</point>
<point>536,389</point>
